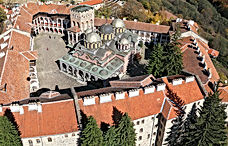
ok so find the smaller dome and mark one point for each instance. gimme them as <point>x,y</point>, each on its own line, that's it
<point>124,41</point>
<point>106,29</point>
<point>118,23</point>
<point>89,30</point>
<point>93,37</point>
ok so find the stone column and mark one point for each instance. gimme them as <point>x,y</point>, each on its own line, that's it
<point>72,34</point>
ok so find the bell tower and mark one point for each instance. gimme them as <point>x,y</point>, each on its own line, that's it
<point>82,16</point>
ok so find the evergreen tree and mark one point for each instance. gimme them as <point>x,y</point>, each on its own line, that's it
<point>110,137</point>
<point>9,136</point>
<point>125,132</point>
<point>209,128</point>
<point>91,135</point>
<point>156,61</point>
<point>176,131</point>
<point>173,62</point>
<point>190,120</point>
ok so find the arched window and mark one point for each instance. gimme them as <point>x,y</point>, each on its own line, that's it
<point>74,23</point>
<point>78,24</point>
<point>30,142</point>
<point>49,139</point>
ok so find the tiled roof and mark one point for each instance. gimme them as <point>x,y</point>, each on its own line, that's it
<point>148,27</point>
<point>29,56</point>
<point>74,29</point>
<point>192,64</point>
<point>136,107</point>
<point>142,105</point>
<point>19,42</point>
<point>91,2</point>
<point>213,52</point>
<point>55,118</point>
<point>224,93</point>
<point>14,76</point>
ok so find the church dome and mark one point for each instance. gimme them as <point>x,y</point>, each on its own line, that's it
<point>89,30</point>
<point>106,29</point>
<point>118,23</point>
<point>93,37</point>
<point>124,41</point>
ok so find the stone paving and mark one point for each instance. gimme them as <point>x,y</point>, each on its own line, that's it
<point>49,51</point>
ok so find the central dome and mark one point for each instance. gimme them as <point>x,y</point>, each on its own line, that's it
<point>93,38</point>
<point>106,29</point>
<point>118,23</point>
<point>124,41</point>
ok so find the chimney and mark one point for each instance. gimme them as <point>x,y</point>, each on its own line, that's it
<point>120,95</point>
<point>90,100</point>
<point>135,20</point>
<point>113,18</point>
<point>200,54</point>
<point>161,87</point>
<point>39,107</point>
<point>102,17</point>
<point>133,92</point>
<point>189,79</point>
<point>124,19</point>
<point>177,81</point>
<point>203,60</point>
<point>105,98</point>
<point>0,108</point>
<point>209,73</point>
<point>15,107</point>
<point>149,89</point>
<point>205,65</point>
<point>77,107</point>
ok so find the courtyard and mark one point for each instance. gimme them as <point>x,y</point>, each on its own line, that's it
<point>50,48</point>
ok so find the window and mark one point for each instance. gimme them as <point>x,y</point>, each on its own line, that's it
<point>141,130</point>
<point>148,136</point>
<point>142,121</point>
<point>66,135</point>
<point>49,139</point>
<point>137,122</point>
<point>152,118</point>
<point>140,137</point>
<point>30,142</point>
<point>37,141</point>
<point>154,133</point>
<point>73,134</point>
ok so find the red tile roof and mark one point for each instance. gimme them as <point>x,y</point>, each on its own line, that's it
<point>137,107</point>
<point>148,27</point>
<point>15,73</point>
<point>142,105</point>
<point>213,52</point>
<point>19,42</point>
<point>192,64</point>
<point>55,118</point>
<point>29,56</point>
<point>224,93</point>
<point>91,2</point>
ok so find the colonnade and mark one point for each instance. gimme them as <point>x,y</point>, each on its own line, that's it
<point>46,24</point>
<point>73,38</point>
<point>77,73</point>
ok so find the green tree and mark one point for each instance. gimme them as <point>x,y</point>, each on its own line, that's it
<point>176,131</point>
<point>9,136</point>
<point>2,15</point>
<point>110,137</point>
<point>190,120</point>
<point>156,61</point>
<point>210,128</point>
<point>126,135</point>
<point>91,135</point>
<point>173,62</point>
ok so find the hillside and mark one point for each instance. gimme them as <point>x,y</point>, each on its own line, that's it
<point>209,14</point>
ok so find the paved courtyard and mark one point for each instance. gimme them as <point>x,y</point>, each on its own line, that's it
<point>48,71</point>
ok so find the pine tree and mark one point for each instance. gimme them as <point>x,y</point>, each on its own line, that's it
<point>190,120</point>
<point>91,135</point>
<point>126,135</point>
<point>209,128</point>
<point>176,131</point>
<point>173,61</point>
<point>156,61</point>
<point>110,137</point>
<point>9,136</point>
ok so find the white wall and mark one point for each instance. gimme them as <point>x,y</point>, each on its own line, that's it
<point>57,140</point>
